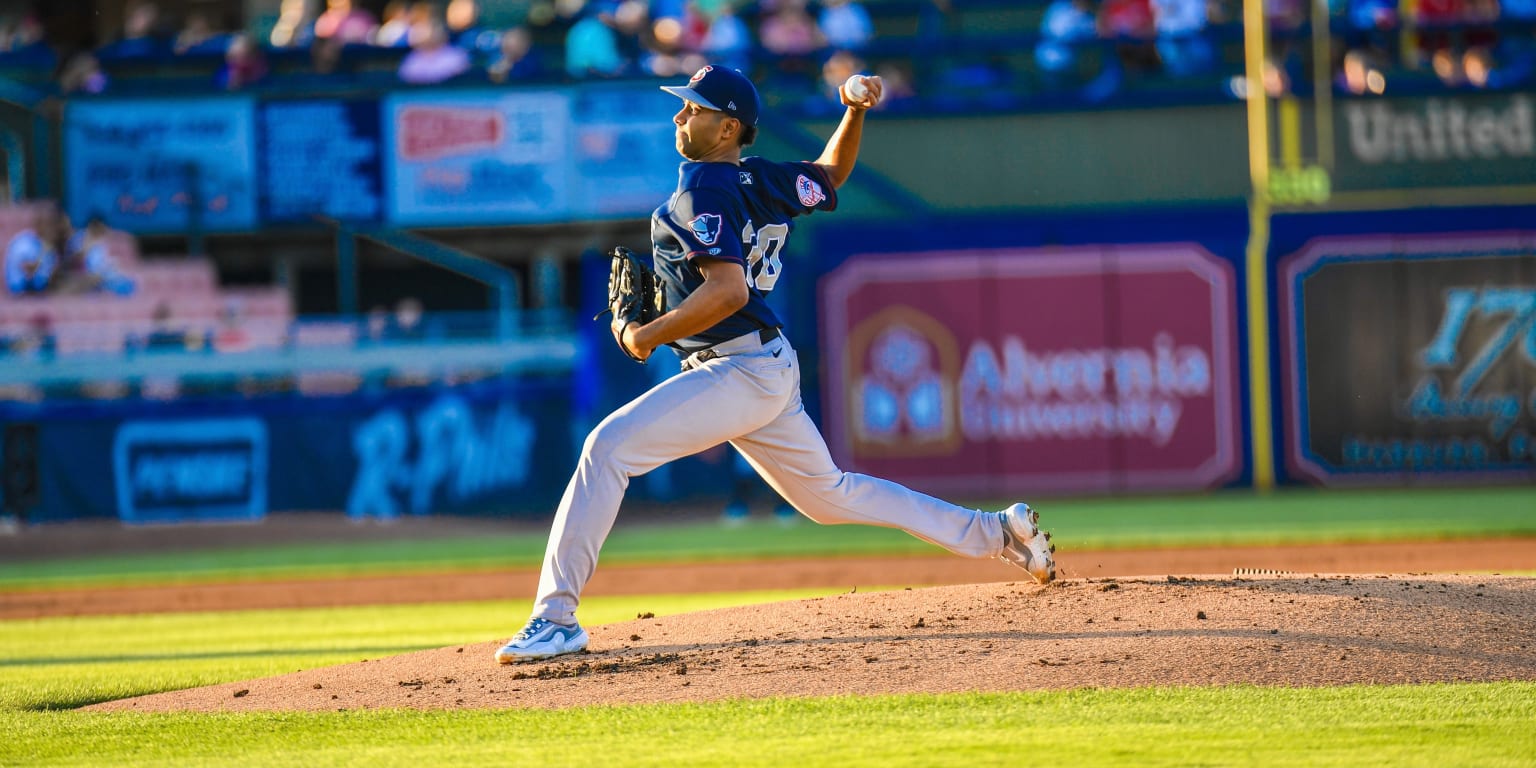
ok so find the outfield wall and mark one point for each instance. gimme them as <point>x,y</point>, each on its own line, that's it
<point>1064,354</point>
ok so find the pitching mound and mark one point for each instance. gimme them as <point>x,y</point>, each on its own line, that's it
<point>1281,630</point>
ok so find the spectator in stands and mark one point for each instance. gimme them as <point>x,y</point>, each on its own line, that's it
<point>432,59</point>
<point>32,256</point>
<point>88,263</point>
<point>198,36</point>
<point>834,72</point>
<point>231,334</point>
<point>35,340</point>
<point>1361,73</point>
<point>82,74</point>
<point>846,24</point>
<point>667,50</point>
<point>793,37</point>
<point>1065,26</point>
<point>466,31</point>
<point>295,27</point>
<point>1130,25</point>
<point>592,45</point>
<point>166,335</point>
<point>142,36</point>
<point>516,60</point>
<point>244,65</point>
<point>395,31</point>
<point>1181,43</point>
<point>1371,27</point>
<point>345,22</point>
<point>727,39</point>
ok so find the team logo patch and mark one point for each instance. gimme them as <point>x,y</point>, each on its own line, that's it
<point>809,191</point>
<point>699,75</point>
<point>706,227</point>
<point>746,177</point>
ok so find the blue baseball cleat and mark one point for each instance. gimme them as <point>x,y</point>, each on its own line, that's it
<point>1025,545</point>
<point>543,639</point>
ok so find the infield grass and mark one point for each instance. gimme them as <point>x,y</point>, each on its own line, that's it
<point>47,665</point>
<point>1293,516</point>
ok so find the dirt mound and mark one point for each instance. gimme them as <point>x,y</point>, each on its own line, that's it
<point>1267,630</point>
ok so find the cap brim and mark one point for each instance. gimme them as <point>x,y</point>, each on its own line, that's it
<point>689,94</point>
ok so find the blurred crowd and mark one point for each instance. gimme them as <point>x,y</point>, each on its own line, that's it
<point>52,256</point>
<point>1090,48</point>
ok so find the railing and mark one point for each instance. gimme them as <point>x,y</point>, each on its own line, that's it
<point>314,354</point>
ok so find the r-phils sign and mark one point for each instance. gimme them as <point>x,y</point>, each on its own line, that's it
<point>1025,370</point>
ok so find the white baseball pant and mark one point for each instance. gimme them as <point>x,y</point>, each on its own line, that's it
<point>749,396</point>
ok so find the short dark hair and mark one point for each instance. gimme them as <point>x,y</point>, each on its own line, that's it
<point>748,135</point>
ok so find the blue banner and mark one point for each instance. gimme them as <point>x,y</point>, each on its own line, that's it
<point>320,157</point>
<point>486,447</point>
<point>162,165</point>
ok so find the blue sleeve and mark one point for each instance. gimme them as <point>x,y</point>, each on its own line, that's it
<point>709,224</point>
<point>804,186</point>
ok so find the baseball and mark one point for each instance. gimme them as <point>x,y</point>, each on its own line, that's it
<point>856,89</point>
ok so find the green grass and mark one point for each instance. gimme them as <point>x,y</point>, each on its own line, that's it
<point>48,665</point>
<point>1460,725</point>
<point>1292,516</point>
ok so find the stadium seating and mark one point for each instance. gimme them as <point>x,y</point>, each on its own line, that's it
<point>184,292</point>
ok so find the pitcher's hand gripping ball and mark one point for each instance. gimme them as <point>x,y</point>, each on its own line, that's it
<point>634,295</point>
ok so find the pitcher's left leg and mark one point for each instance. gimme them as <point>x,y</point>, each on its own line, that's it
<point>792,456</point>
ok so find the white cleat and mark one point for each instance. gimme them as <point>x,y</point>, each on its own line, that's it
<point>1025,545</point>
<point>543,639</point>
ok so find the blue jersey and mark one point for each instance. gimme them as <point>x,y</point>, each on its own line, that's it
<point>741,213</point>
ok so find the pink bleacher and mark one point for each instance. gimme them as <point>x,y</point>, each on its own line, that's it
<point>175,278</point>
<point>101,322</point>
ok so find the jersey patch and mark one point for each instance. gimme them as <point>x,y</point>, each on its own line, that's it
<point>706,227</point>
<point>746,177</point>
<point>809,191</point>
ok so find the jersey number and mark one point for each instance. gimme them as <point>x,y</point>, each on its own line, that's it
<point>763,265</point>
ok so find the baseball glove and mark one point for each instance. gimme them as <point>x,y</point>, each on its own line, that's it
<point>634,295</point>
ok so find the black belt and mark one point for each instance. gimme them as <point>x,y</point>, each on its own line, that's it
<point>764,335</point>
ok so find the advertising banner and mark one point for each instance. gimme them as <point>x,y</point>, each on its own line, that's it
<point>491,446</point>
<point>1410,357</point>
<point>320,157</point>
<point>1097,368</point>
<point>477,157</point>
<point>162,165</point>
<point>1462,140</point>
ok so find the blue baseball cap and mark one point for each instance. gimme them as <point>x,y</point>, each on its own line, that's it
<point>722,89</point>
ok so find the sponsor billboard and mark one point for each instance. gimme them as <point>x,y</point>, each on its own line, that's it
<point>1472,139</point>
<point>191,470</point>
<point>162,165</point>
<point>1097,368</point>
<point>1410,357</point>
<point>477,158</point>
<point>320,157</point>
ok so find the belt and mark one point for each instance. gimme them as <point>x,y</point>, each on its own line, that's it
<point>764,335</point>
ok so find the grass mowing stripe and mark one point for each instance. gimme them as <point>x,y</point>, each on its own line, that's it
<point>1234,518</point>
<point>1438,725</point>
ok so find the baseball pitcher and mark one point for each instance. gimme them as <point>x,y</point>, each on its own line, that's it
<point>719,247</point>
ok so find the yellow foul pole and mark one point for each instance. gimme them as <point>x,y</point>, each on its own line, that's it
<point>1260,406</point>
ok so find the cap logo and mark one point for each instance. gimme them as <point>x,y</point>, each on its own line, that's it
<point>731,105</point>
<point>699,75</point>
